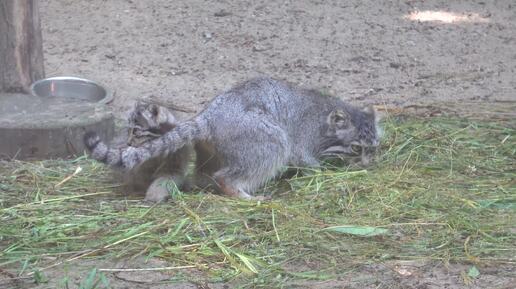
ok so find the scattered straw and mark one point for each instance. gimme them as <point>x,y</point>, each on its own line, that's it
<point>442,189</point>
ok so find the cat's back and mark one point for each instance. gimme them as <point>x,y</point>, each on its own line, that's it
<point>263,95</point>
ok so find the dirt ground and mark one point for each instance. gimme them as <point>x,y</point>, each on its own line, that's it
<point>393,275</point>
<point>362,50</point>
<point>366,51</point>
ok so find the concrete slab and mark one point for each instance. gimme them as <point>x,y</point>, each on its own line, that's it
<point>36,127</point>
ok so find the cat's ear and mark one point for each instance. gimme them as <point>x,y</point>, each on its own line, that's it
<point>339,119</point>
<point>372,112</point>
<point>134,112</point>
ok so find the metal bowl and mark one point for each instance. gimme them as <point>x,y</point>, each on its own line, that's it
<point>71,88</point>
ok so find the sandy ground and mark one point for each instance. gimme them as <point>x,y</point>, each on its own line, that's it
<point>365,51</point>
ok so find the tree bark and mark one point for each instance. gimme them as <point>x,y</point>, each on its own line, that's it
<point>21,47</point>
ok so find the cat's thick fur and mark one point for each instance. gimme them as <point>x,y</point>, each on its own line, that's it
<point>155,176</point>
<point>248,134</point>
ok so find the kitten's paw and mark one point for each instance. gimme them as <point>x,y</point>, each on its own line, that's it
<point>159,190</point>
<point>156,195</point>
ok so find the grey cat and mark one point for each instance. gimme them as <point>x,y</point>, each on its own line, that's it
<point>156,175</point>
<point>250,133</point>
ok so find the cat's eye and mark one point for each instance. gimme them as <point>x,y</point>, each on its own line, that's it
<point>356,149</point>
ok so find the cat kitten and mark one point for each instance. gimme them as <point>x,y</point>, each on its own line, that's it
<point>158,175</point>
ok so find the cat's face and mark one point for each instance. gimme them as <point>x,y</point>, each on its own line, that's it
<point>151,117</point>
<point>353,135</point>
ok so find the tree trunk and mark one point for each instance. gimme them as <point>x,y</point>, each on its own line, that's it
<point>21,49</point>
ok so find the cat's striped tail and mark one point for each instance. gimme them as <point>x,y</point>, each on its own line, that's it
<point>130,157</point>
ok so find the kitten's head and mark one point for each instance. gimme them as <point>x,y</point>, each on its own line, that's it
<point>353,134</point>
<point>151,117</point>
